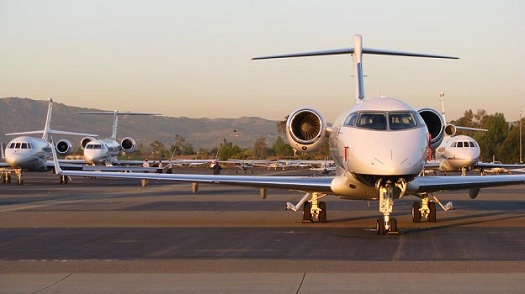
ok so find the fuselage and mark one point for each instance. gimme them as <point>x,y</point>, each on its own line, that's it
<point>382,138</point>
<point>99,151</point>
<point>28,153</point>
<point>457,152</point>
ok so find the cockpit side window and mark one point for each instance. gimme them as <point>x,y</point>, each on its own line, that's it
<point>350,120</point>
<point>372,120</point>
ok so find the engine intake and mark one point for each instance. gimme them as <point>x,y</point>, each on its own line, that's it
<point>305,129</point>
<point>85,141</point>
<point>128,144</point>
<point>63,147</point>
<point>435,124</point>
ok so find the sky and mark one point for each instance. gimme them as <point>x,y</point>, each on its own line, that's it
<point>193,58</point>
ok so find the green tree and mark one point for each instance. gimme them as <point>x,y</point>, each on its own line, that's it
<point>282,148</point>
<point>260,148</point>
<point>158,151</point>
<point>498,128</point>
<point>281,125</point>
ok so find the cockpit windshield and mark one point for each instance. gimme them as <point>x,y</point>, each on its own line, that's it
<point>382,120</point>
<point>93,146</point>
<point>18,145</point>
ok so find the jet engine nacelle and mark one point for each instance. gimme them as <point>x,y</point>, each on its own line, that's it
<point>63,147</point>
<point>450,130</point>
<point>128,144</point>
<point>305,130</point>
<point>435,124</point>
<point>85,141</point>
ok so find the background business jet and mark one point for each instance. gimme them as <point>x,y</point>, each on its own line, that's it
<point>34,154</point>
<point>379,147</point>
<point>461,152</point>
<point>106,151</point>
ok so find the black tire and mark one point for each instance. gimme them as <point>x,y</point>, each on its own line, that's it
<point>416,214</point>
<point>380,226</point>
<point>307,215</point>
<point>393,225</point>
<point>322,214</point>
<point>432,217</point>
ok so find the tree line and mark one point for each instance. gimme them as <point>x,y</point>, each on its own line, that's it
<point>500,142</point>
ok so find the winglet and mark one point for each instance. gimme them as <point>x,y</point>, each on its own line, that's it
<point>3,153</point>
<point>58,170</point>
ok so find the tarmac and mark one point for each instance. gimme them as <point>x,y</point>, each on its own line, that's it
<point>115,236</point>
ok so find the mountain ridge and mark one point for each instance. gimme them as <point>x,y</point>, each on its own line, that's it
<point>26,114</point>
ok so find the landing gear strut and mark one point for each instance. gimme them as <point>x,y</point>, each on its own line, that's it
<point>64,179</point>
<point>427,209</point>
<point>387,191</point>
<point>20,176</point>
<point>6,177</point>
<point>313,209</point>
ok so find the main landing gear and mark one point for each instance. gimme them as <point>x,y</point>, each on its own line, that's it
<point>64,179</point>
<point>6,177</point>
<point>313,209</point>
<point>426,210</point>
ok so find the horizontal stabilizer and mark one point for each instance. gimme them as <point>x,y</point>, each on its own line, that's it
<point>51,132</point>
<point>351,51</point>
<point>117,112</point>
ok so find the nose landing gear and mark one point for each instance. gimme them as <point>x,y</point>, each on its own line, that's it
<point>387,191</point>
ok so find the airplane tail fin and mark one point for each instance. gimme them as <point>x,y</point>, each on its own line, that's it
<point>47,127</point>
<point>2,150</point>
<point>356,53</point>
<point>115,114</point>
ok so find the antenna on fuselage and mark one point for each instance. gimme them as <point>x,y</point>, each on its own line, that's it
<point>356,53</point>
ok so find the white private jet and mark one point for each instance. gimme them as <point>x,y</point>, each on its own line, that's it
<point>106,151</point>
<point>461,152</point>
<point>34,154</point>
<point>456,152</point>
<point>379,147</point>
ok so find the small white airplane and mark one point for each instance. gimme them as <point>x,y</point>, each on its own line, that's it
<point>461,153</point>
<point>34,154</point>
<point>379,146</point>
<point>106,151</point>
<point>456,152</point>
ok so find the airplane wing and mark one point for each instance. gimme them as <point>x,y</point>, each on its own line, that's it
<point>310,184</point>
<point>499,165</point>
<point>317,184</point>
<point>439,183</point>
<point>120,168</point>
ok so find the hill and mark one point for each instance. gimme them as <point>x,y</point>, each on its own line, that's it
<point>24,114</point>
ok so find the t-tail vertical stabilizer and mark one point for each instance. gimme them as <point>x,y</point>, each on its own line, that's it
<point>356,53</point>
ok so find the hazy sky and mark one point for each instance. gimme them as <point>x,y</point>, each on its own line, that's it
<point>192,58</point>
